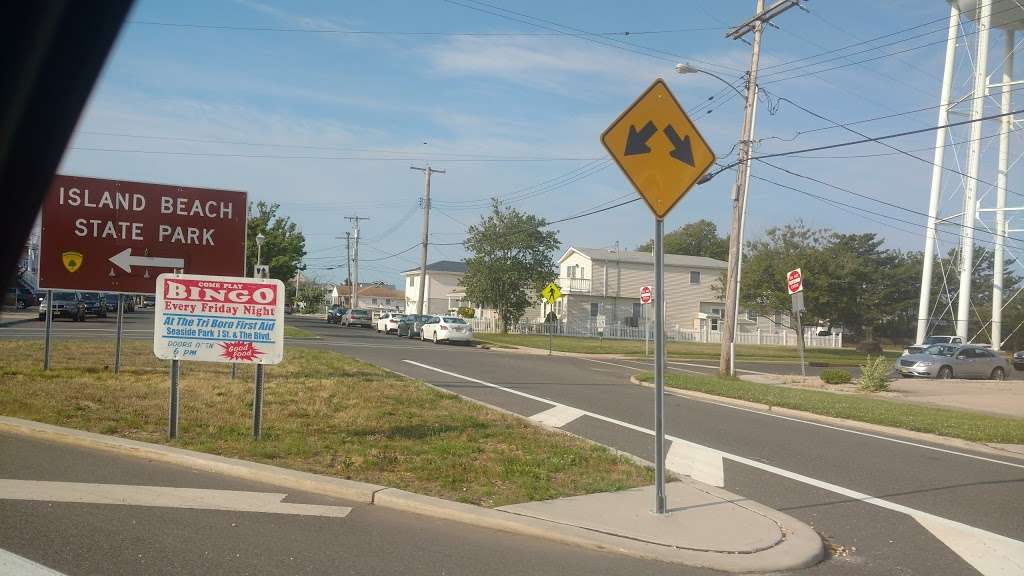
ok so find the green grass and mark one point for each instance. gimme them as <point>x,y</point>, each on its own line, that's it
<point>691,350</point>
<point>323,412</point>
<point>293,332</point>
<point>860,407</point>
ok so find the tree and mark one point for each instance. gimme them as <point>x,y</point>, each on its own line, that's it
<point>698,238</point>
<point>284,247</point>
<point>511,259</point>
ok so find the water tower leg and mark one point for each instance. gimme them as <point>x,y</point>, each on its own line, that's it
<point>940,150</point>
<point>1005,125</point>
<point>963,315</point>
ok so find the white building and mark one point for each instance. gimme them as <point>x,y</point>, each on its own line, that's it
<point>603,286</point>
<point>442,292</point>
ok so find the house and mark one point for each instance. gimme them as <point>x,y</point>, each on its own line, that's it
<point>372,296</point>
<point>442,291</point>
<point>603,286</point>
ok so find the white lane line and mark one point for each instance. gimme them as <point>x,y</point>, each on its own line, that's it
<point>162,497</point>
<point>13,565</point>
<point>841,429</point>
<point>1003,553</point>
<point>702,465</point>
<point>558,416</point>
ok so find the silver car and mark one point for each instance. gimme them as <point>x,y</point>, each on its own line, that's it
<point>947,361</point>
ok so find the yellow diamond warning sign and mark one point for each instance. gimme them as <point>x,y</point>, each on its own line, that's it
<point>659,148</point>
<point>72,260</point>
<point>551,293</point>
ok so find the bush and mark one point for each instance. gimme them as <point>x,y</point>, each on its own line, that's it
<point>874,375</point>
<point>835,376</point>
<point>467,312</point>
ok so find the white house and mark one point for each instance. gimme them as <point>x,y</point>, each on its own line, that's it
<point>603,286</point>
<point>442,291</point>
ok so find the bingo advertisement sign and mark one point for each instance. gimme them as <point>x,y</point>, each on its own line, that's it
<point>219,319</point>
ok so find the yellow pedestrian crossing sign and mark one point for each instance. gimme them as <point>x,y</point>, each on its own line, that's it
<point>551,293</point>
<point>658,148</point>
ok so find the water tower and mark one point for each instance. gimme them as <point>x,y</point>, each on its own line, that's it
<point>981,93</point>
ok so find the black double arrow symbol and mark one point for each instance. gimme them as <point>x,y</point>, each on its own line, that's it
<point>636,142</point>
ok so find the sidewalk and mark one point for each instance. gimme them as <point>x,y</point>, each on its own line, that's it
<point>706,526</point>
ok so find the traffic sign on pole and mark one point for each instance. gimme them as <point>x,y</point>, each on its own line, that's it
<point>794,281</point>
<point>551,293</point>
<point>663,155</point>
<point>646,295</point>
<point>117,236</point>
<point>658,148</point>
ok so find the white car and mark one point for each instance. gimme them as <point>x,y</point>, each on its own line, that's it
<point>388,322</point>
<point>446,328</point>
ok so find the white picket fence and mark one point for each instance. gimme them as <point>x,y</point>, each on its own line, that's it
<point>675,334</point>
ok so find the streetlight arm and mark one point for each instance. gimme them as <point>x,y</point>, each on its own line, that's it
<point>688,69</point>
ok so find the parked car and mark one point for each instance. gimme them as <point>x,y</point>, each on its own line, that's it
<point>148,302</point>
<point>947,361</point>
<point>388,322</point>
<point>110,301</point>
<point>65,305</point>
<point>410,324</point>
<point>931,341</point>
<point>94,304</point>
<point>334,313</point>
<point>357,317</point>
<point>446,329</point>
<point>1018,360</point>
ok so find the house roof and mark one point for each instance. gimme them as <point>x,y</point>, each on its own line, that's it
<point>371,291</point>
<point>454,266</point>
<point>603,254</point>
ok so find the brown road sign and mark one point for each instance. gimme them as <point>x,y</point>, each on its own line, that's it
<point>117,236</point>
<point>658,147</point>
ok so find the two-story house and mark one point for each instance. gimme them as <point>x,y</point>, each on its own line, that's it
<point>442,291</point>
<point>603,286</point>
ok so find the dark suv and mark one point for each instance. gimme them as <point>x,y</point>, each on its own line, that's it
<point>65,305</point>
<point>94,304</point>
<point>335,313</point>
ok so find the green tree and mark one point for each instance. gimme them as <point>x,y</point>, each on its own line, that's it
<point>698,238</point>
<point>284,247</point>
<point>511,259</point>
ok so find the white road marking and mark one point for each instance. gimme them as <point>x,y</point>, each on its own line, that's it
<point>839,428</point>
<point>13,565</point>
<point>558,416</point>
<point>1004,555</point>
<point>162,497</point>
<point>690,460</point>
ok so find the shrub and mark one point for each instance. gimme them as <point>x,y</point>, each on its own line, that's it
<point>467,312</point>
<point>874,375</point>
<point>835,376</point>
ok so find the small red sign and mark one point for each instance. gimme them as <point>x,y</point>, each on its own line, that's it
<point>646,295</point>
<point>240,351</point>
<point>794,281</point>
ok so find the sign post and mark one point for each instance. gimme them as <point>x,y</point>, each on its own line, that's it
<point>663,155</point>
<point>646,296</point>
<point>49,329</point>
<point>219,319</point>
<point>551,293</point>
<point>120,332</point>
<point>795,285</point>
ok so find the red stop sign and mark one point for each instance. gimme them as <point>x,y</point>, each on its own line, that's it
<point>794,281</point>
<point>646,295</point>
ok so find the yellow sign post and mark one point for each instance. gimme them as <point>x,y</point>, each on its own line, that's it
<point>658,148</point>
<point>663,155</point>
<point>551,293</point>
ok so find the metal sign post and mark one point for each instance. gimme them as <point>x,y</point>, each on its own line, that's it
<point>663,155</point>
<point>798,307</point>
<point>660,502</point>
<point>49,329</point>
<point>172,419</point>
<point>120,332</point>
<point>551,293</point>
<point>257,404</point>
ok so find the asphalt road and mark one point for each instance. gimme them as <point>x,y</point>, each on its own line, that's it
<point>887,506</point>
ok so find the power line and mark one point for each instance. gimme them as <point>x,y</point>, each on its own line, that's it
<point>342,31</point>
<point>359,158</point>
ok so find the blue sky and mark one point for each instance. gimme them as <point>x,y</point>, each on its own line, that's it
<point>354,111</point>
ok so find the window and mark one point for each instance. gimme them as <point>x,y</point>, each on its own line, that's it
<point>636,309</point>
<point>594,309</point>
<point>751,315</point>
<point>374,301</point>
<point>694,277</point>
<point>778,318</point>
<point>714,324</point>
<point>572,271</point>
<point>716,312</point>
<point>412,281</point>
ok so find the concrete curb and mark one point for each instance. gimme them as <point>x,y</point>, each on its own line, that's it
<point>800,547</point>
<point>856,425</point>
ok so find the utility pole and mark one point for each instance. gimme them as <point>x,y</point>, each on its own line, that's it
<point>354,286</point>
<point>739,198</point>
<point>426,234</point>
<point>348,259</point>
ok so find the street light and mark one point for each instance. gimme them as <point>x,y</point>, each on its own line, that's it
<point>260,239</point>
<point>688,69</point>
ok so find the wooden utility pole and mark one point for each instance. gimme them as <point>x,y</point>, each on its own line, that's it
<point>426,234</point>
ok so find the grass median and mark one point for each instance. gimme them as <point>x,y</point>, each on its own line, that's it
<point>293,332</point>
<point>691,350</point>
<point>323,412</point>
<point>860,407</point>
